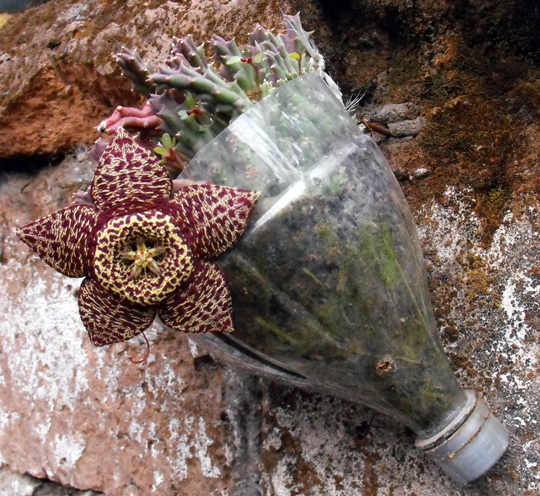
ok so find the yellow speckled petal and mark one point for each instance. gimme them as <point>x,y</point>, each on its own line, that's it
<point>62,239</point>
<point>129,176</point>
<point>212,217</point>
<point>107,318</point>
<point>202,304</point>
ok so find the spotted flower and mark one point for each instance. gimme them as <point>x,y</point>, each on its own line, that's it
<point>144,249</point>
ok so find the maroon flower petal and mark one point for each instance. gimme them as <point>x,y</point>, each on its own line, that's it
<point>129,176</point>
<point>62,239</point>
<point>201,304</point>
<point>212,217</point>
<point>107,318</point>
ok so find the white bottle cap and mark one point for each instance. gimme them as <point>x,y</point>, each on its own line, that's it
<point>473,448</point>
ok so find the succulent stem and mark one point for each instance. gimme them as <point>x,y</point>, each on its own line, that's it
<point>192,101</point>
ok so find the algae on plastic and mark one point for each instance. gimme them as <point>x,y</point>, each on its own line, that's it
<point>328,281</point>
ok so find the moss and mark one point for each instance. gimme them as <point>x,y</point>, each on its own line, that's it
<point>404,75</point>
<point>470,138</point>
<point>473,70</point>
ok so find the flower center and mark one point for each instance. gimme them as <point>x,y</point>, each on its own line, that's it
<point>142,257</point>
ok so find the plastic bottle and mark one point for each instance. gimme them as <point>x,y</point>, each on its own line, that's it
<point>328,281</point>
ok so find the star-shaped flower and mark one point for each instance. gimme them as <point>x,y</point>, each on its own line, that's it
<point>144,249</point>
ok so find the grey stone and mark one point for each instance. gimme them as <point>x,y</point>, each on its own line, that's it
<point>17,485</point>
<point>12,484</point>
<point>406,128</point>
<point>392,112</point>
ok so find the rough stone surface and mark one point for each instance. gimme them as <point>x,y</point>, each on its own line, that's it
<point>391,113</point>
<point>407,128</point>
<point>11,483</point>
<point>183,424</point>
<point>23,485</point>
<point>58,77</point>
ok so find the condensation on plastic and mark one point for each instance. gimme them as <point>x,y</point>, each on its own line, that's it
<point>328,281</point>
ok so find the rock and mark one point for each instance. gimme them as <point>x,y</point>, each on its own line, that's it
<point>61,79</point>
<point>183,424</point>
<point>406,128</point>
<point>23,485</point>
<point>421,172</point>
<point>392,112</point>
<point>399,156</point>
